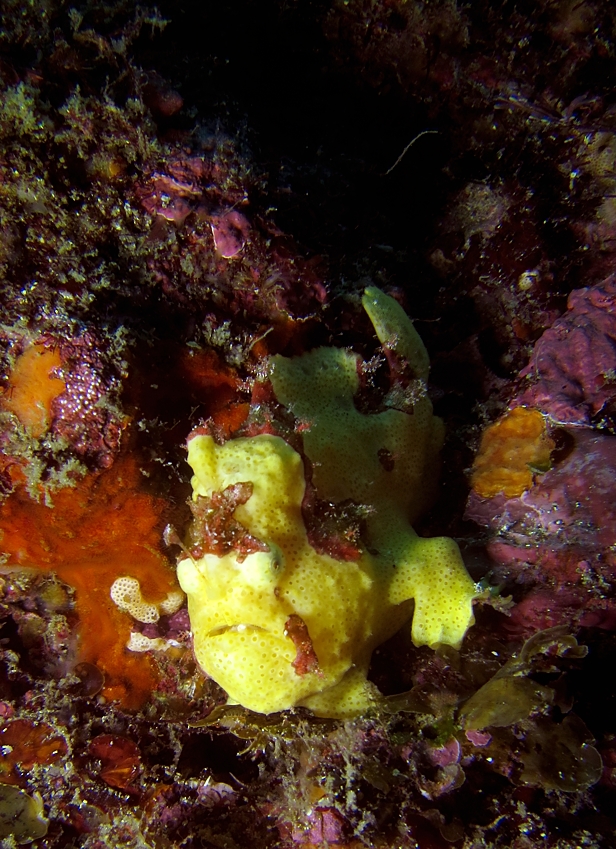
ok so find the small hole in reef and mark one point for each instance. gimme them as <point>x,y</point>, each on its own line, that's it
<point>564,443</point>
<point>386,459</point>
<point>218,754</point>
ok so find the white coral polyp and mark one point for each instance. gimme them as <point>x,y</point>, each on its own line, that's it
<point>172,603</point>
<point>126,594</point>
<point>140,643</point>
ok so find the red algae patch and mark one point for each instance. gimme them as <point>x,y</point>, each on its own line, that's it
<point>231,419</point>
<point>512,451</point>
<point>33,388</point>
<point>102,529</point>
<point>207,373</point>
<point>119,758</point>
<point>206,370</point>
<point>25,744</point>
<point>219,383</point>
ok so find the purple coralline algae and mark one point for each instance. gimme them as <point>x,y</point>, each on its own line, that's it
<point>572,370</point>
<point>214,251</point>
<point>553,544</point>
<point>87,414</point>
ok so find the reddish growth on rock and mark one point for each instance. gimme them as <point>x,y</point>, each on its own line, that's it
<point>102,529</point>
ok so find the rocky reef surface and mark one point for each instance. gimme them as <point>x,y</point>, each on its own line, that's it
<point>188,191</point>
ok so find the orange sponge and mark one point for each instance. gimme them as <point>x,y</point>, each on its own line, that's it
<point>94,533</point>
<point>33,388</point>
<point>511,452</point>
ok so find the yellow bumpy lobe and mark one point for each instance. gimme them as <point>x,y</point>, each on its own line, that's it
<point>239,610</point>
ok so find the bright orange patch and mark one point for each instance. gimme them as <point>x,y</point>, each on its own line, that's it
<point>100,530</point>
<point>512,451</point>
<point>33,388</point>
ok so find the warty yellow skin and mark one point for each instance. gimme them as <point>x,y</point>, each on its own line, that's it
<point>240,609</point>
